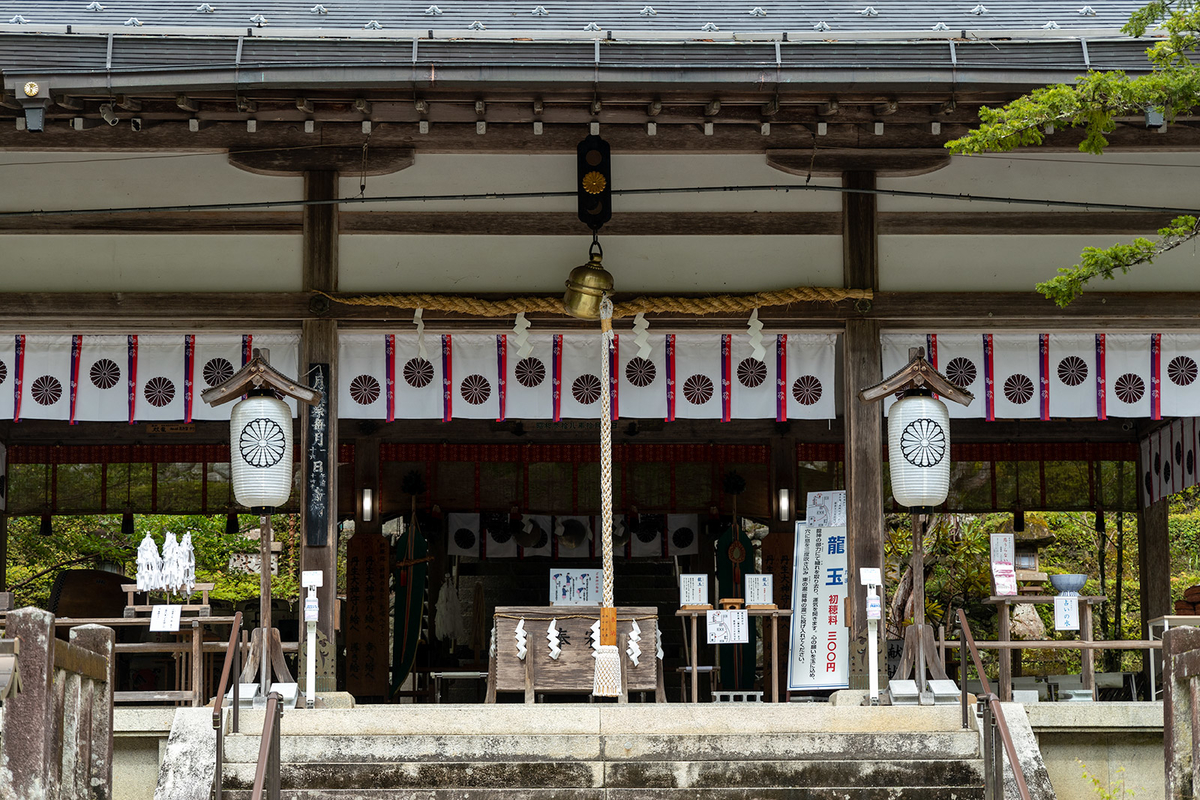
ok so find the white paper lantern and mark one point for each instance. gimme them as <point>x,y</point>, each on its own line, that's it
<point>919,451</point>
<point>260,451</point>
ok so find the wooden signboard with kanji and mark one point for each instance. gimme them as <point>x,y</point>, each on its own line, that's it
<point>573,670</point>
<point>367,620</point>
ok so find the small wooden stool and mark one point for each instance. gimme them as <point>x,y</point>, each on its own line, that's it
<point>686,673</point>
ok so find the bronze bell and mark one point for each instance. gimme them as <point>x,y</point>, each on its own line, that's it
<point>586,288</point>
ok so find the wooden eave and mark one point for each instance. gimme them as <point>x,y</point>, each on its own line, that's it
<point>916,373</point>
<point>258,374</point>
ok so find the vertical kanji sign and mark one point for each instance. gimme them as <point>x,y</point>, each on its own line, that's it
<point>820,653</point>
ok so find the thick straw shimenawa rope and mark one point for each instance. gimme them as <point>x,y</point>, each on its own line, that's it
<point>606,511</point>
<point>717,304</point>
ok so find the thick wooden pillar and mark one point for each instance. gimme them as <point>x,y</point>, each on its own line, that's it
<point>319,439</point>
<point>1154,562</point>
<point>367,585</point>
<point>861,367</point>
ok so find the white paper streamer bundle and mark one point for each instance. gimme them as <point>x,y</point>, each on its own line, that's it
<point>149,566</point>
<point>658,652</point>
<point>173,571</point>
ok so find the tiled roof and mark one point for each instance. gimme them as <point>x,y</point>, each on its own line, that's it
<point>837,19</point>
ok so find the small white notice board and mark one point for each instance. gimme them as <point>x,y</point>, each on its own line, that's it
<point>728,627</point>
<point>165,618</point>
<point>575,587</point>
<point>760,590</point>
<point>693,590</point>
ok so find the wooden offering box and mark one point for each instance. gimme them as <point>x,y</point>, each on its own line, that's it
<point>575,667</point>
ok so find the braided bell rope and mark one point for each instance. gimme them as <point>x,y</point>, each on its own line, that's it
<point>699,306</point>
<point>606,500</point>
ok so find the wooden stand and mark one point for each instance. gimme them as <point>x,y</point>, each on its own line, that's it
<point>918,638</point>
<point>693,644</point>
<point>132,609</point>
<point>1004,608</point>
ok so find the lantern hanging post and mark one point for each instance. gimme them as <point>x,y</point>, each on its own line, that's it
<point>919,456</point>
<point>261,464</point>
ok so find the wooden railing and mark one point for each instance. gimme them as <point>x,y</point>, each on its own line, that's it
<point>57,735</point>
<point>993,724</point>
<point>266,773</point>
<point>233,658</point>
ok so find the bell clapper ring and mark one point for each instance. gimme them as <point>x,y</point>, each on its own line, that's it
<point>595,249</point>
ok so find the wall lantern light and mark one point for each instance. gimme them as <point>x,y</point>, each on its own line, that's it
<point>368,505</point>
<point>785,505</point>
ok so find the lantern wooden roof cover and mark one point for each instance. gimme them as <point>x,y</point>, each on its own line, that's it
<point>258,373</point>
<point>916,373</point>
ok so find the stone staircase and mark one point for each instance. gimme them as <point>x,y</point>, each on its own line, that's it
<point>614,752</point>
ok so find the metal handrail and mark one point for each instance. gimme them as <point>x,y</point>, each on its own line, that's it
<point>233,653</point>
<point>266,773</point>
<point>994,715</point>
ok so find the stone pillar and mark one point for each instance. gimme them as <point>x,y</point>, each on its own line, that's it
<point>319,424</point>
<point>99,640</point>
<point>29,746</point>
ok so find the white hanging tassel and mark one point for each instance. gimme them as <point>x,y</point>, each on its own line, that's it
<point>642,338</point>
<point>634,651</point>
<point>755,326</point>
<point>658,653</point>
<point>552,639</point>
<point>420,323</point>
<point>188,562</point>
<point>607,679</point>
<point>521,329</point>
<point>149,566</point>
<point>522,640</point>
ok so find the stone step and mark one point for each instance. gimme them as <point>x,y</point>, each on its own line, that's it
<point>243,748</point>
<point>693,775</point>
<point>740,793</point>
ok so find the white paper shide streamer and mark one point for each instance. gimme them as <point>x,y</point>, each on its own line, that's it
<point>634,651</point>
<point>522,639</point>
<point>553,640</point>
<point>658,651</point>
<point>594,635</point>
<point>755,327</point>
<point>521,331</point>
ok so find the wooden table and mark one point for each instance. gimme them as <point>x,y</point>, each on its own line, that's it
<point>773,613</point>
<point>1004,609</point>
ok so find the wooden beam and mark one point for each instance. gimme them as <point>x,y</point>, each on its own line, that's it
<point>833,162</point>
<point>518,137</point>
<point>353,160</point>
<point>651,223</point>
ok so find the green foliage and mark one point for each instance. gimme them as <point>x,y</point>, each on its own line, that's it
<point>1094,103</point>
<point>80,542</point>
<point>1114,790</point>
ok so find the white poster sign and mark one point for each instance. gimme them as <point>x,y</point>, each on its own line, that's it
<point>1066,613</point>
<point>1003,572</point>
<point>826,510</point>
<point>728,627</point>
<point>576,587</point>
<point>760,590</point>
<point>165,618</point>
<point>820,651</point>
<point>693,590</point>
